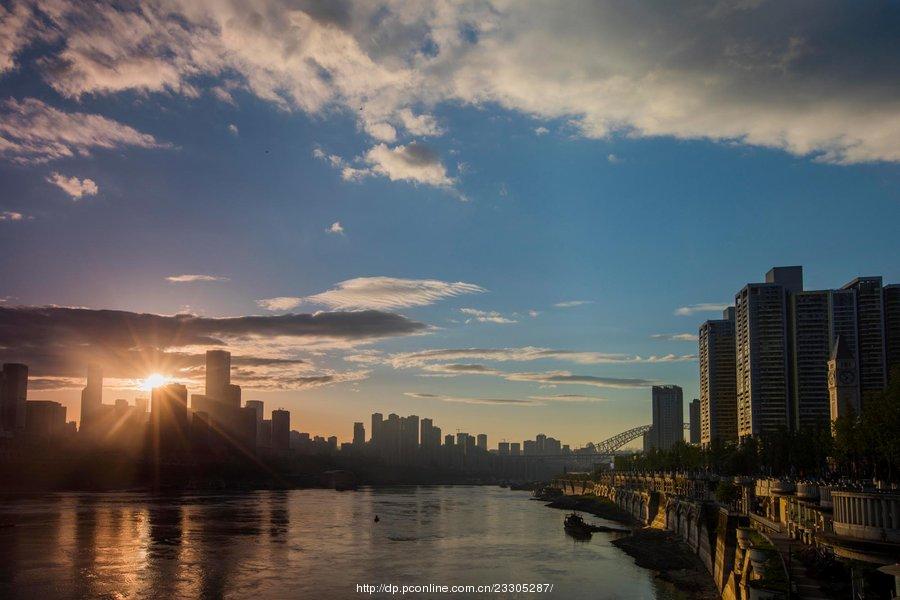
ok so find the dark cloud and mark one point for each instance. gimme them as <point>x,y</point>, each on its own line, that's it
<point>59,342</point>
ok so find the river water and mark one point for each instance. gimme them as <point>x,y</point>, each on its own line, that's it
<point>303,544</point>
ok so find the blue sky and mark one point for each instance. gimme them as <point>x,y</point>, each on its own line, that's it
<point>516,190</point>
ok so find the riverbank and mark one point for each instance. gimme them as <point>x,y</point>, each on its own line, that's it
<point>594,505</point>
<point>670,559</point>
<point>658,550</point>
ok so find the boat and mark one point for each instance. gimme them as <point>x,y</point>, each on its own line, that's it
<point>576,527</point>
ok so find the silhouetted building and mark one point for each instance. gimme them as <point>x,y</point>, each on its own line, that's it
<point>92,400</point>
<point>448,440</point>
<point>281,430</point>
<point>694,411</point>
<point>13,393</point>
<point>218,373</point>
<point>232,396</point>
<point>843,381</point>
<point>718,400</point>
<point>377,419</point>
<point>515,449</point>
<point>169,421</point>
<point>359,435</point>
<point>482,442</point>
<point>668,416</point>
<point>44,419</point>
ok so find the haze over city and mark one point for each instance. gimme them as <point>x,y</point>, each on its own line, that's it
<point>410,209</point>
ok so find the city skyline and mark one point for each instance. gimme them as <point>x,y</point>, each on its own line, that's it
<point>449,243</point>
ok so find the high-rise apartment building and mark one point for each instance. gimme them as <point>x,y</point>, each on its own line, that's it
<point>168,420</point>
<point>718,400</point>
<point>870,346</point>
<point>92,399</point>
<point>891,295</point>
<point>816,319</point>
<point>761,352</point>
<point>694,412</point>
<point>482,441</point>
<point>377,419</point>
<point>668,416</point>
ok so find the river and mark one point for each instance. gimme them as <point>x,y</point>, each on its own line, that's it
<point>303,544</point>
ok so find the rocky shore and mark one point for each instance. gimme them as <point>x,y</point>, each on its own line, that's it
<point>658,550</point>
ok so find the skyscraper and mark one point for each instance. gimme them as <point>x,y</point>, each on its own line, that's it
<point>870,334</point>
<point>694,411</point>
<point>718,400</point>
<point>168,420</point>
<point>377,419</point>
<point>668,416</point>
<point>13,393</point>
<point>482,441</point>
<point>281,430</point>
<point>359,435</point>
<point>92,398</point>
<point>218,373</point>
<point>761,362</point>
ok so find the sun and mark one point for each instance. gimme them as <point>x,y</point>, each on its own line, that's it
<point>153,381</point>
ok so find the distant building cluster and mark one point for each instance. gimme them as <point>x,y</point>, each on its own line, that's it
<point>173,426</point>
<point>787,358</point>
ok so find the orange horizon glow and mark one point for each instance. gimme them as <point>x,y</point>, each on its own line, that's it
<point>153,380</point>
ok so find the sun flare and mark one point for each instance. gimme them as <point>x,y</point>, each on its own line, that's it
<point>152,381</point>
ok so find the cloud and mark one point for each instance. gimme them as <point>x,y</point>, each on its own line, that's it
<point>692,309</point>
<point>194,278</point>
<point>414,163</point>
<point>486,316</point>
<point>541,130</point>
<point>468,400</point>
<point>526,354</point>
<point>390,292</point>
<point>572,303</point>
<point>674,337</point>
<point>613,159</point>
<point>9,215</point>
<point>34,132</point>
<point>812,81</point>
<point>569,398</point>
<point>280,303</point>
<point>336,228</point>
<point>233,129</point>
<point>542,377</point>
<point>60,342</point>
<point>74,187</point>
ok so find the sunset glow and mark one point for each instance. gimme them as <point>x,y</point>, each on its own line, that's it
<point>153,381</point>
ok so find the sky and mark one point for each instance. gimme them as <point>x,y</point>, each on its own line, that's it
<point>510,217</point>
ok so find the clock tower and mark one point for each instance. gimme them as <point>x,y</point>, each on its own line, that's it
<point>843,381</point>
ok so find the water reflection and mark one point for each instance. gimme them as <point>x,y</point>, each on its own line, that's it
<point>275,544</point>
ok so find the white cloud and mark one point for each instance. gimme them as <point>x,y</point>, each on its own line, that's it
<point>613,159</point>
<point>527,354</point>
<point>541,130</point>
<point>675,337</point>
<point>414,162</point>
<point>390,292</point>
<point>486,316</point>
<point>569,398</point>
<point>280,303</point>
<point>541,377</point>
<point>692,309</point>
<point>755,73</point>
<point>74,187</point>
<point>194,278</point>
<point>34,132</point>
<point>233,129</point>
<point>470,400</point>
<point>572,303</point>
<point>9,215</point>
<point>336,228</point>
<point>533,313</point>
